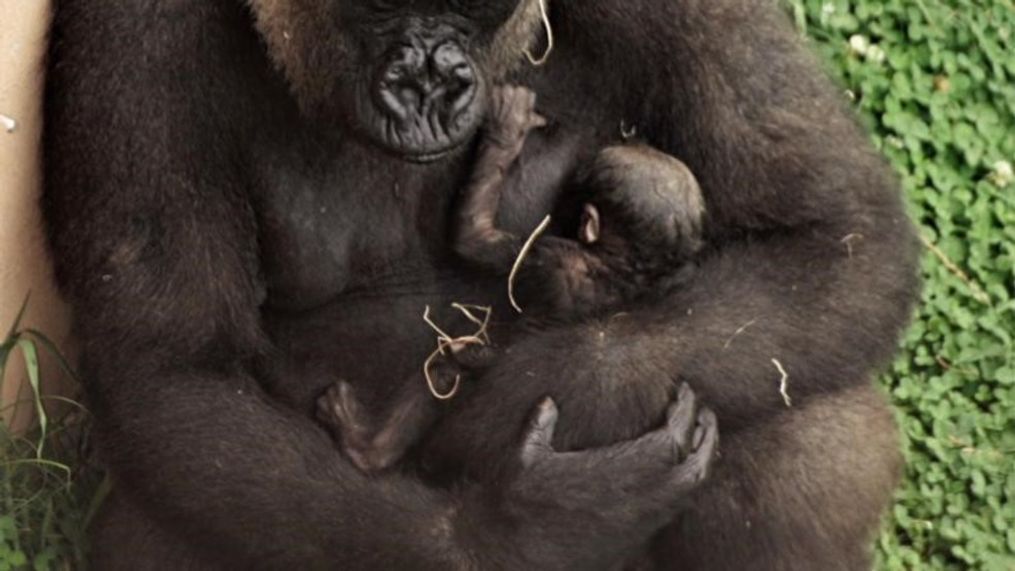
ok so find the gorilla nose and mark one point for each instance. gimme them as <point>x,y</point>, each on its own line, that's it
<point>420,80</point>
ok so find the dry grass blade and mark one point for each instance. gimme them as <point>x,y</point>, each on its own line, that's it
<point>783,382</point>
<point>484,323</point>
<point>549,38</point>
<point>446,342</point>
<point>526,248</point>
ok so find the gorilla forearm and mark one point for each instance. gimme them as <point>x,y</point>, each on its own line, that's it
<point>827,323</point>
<point>812,260</point>
<point>268,490</point>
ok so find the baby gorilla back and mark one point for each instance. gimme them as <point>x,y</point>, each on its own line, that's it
<point>599,400</point>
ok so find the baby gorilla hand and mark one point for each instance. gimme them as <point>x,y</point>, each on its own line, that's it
<point>512,115</point>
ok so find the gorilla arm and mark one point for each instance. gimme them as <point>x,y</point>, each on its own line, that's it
<point>812,259</point>
<point>155,245</point>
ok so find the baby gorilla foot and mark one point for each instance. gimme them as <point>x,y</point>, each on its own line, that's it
<point>352,428</point>
<point>512,116</point>
<point>472,358</point>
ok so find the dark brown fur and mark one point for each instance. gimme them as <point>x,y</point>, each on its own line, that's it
<point>273,251</point>
<point>633,244</point>
<point>640,223</point>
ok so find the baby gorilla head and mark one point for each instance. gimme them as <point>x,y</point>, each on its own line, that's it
<point>643,204</point>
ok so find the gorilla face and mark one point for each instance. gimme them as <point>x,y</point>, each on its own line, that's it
<point>408,76</point>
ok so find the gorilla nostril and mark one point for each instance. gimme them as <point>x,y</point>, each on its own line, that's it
<point>415,83</point>
<point>451,63</point>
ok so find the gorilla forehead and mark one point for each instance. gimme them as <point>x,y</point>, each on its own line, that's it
<point>307,42</point>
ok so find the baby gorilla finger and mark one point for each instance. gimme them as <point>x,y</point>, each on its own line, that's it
<point>338,408</point>
<point>473,356</point>
<point>512,114</point>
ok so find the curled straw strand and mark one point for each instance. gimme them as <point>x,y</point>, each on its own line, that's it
<point>549,38</point>
<point>445,341</point>
<point>526,248</point>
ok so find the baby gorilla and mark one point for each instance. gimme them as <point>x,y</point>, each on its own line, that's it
<point>640,222</point>
<point>639,227</point>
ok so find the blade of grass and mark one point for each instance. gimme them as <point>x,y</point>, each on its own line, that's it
<point>98,498</point>
<point>31,356</point>
<point>52,349</point>
<point>17,320</point>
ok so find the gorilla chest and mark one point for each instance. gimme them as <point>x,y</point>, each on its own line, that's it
<point>328,227</point>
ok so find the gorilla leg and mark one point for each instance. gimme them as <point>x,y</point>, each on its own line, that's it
<point>804,490</point>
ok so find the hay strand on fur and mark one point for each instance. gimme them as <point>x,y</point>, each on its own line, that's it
<point>541,60</point>
<point>446,342</point>
<point>737,333</point>
<point>848,241</point>
<point>440,332</point>
<point>484,323</point>
<point>783,383</point>
<point>431,384</point>
<point>526,248</point>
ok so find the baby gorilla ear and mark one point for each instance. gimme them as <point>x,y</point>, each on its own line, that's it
<point>589,227</point>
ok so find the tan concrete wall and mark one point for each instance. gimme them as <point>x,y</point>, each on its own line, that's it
<point>23,263</point>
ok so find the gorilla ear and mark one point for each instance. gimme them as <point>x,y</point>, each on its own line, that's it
<point>589,228</point>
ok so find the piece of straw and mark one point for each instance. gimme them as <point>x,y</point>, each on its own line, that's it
<point>526,248</point>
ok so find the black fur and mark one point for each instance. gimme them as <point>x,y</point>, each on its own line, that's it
<point>231,251</point>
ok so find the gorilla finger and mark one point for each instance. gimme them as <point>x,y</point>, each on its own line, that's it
<point>330,401</point>
<point>538,440</point>
<point>347,407</point>
<point>681,418</point>
<point>698,465</point>
<point>475,357</point>
<point>708,427</point>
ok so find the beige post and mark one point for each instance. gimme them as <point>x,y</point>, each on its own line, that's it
<point>24,266</point>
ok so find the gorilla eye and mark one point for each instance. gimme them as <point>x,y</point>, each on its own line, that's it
<point>386,5</point>
<point>484,11</point>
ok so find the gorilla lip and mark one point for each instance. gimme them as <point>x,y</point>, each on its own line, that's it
<point>428,158</point>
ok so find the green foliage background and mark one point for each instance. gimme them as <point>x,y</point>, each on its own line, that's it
<point>934,81</point>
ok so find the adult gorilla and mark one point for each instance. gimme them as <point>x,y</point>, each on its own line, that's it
<point>247,202</point>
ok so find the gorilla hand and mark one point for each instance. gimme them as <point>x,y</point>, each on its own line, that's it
<point>622,493</point>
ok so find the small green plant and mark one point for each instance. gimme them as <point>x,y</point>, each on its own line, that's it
<point>48,489</point>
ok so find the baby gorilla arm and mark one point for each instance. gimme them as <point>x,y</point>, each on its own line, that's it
<point>558,275</point>
<point>478,240</point>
